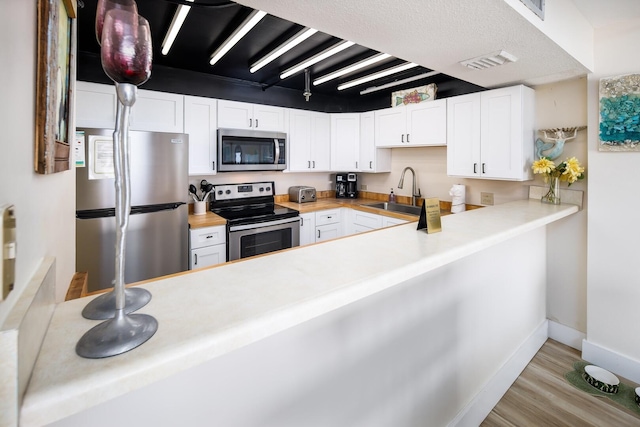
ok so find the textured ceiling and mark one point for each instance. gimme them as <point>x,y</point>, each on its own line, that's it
<point>438,34</point>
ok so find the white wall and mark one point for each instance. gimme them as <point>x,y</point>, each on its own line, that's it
<point>613,285</point>
<point>44,204</point>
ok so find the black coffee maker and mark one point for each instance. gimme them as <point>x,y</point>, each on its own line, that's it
<point>346,185</point>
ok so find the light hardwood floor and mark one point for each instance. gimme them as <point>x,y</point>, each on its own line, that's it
<point>542,397</point>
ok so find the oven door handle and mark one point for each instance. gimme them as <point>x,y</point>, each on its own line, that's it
<point>263,224</point>
<point>277,148</point>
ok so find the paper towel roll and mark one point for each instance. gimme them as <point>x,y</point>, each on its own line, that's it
<point>457,194</point>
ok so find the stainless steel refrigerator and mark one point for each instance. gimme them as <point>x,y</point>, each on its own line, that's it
<point>158,233</point>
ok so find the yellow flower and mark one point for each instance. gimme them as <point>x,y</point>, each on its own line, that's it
<point>543,165</point>
<point>572,170</point>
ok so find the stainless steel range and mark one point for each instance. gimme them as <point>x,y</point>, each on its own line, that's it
<point>255,224</point>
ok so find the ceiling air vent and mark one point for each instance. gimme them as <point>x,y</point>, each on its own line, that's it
<point>491,60</point>
<point>537,6</point>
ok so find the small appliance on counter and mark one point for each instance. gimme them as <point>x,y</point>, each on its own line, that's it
<point>302,194</point>
<point>346,185</point>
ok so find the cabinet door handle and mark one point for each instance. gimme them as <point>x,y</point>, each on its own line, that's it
<point>318,234</point>
<point>213,165</point>
<point>356,165</point>
<point>402,138</point>
<point>407,138</point>
<point>475,165</point>
<point>308,164</point>
<point>196,259</point>
<point>483,168</point>
<point>371,164</point>
<point>314,164</point>
<point>256,123</point>
<point>250,123</point>
<point>301,222</point>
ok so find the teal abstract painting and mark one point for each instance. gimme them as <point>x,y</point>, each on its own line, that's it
<point>620,113</point>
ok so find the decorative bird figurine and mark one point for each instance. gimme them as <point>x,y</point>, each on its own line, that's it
<point>558,137</point>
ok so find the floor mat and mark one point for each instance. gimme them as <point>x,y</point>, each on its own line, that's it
<point>624,397</point>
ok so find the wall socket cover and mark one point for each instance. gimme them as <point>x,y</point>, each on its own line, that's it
<point>8,240</point>
<point>486,198</point>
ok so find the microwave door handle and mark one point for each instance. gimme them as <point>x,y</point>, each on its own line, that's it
<point>277,147</point>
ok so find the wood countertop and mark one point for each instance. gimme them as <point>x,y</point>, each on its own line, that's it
<point>210,219</point>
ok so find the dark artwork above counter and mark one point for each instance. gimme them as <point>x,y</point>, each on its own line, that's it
<point>186,69</point>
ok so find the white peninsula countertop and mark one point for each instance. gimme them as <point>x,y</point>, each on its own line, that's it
<point>207,313</point>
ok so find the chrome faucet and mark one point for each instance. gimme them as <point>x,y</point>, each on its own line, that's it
<point>415,186</point>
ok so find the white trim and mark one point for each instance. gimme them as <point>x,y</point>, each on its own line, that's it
<point>566,335</point>
<point>612,361</point>
<point>481,405</point>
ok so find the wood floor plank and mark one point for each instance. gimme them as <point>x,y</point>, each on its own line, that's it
<point>541,396</point>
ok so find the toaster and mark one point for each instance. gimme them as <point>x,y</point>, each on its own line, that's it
<point>302,194</point>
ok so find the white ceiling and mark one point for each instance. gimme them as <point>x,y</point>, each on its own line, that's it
<point>438,34</point>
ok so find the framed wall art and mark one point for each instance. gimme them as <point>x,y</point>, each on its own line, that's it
<point>55,77</point>
<point>619,128</point>
<point>414,96</point>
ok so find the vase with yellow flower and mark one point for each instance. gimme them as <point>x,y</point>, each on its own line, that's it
<point>568,171</point>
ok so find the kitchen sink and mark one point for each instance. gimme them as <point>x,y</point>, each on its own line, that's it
<point>395,207</point>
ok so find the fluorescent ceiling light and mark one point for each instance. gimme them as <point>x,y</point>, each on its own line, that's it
<point>239,33</point>
<point>399,82</point>
<point>351,68</point>
<point>176,24</point>
<point>378,75</point>
<point>283,48</point>
<point>317,58</point>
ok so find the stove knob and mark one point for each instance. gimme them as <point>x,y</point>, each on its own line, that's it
<point>228,192</point>
<point>268,188</point>
<point>261,189</point>
<point>219,192</point>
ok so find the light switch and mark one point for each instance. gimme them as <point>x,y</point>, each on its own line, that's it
<point>8,239</point>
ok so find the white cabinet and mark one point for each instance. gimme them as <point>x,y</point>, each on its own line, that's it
<point>158,112</point>
<point>241,115</point>
<point>415,125</point>
<point>200,122</point>
<point>345,141</point>
<point>372,159</point>
<point>207,246</point>
<point>95,105</point>
<point>152,111</point>
<point>388,221</point>
<point>364,221</point>
<point>307,228</point>
<point>309,141</point>
<point>491,134</point>
<point>328,225</point>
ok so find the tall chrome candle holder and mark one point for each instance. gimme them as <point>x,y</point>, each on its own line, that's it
<point>126,58</point>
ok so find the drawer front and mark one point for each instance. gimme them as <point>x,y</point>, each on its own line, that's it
<point>207,236</point>
<point>330,216</point>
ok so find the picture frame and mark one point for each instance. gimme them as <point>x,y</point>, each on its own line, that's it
<point>619,115</point>
<point>55,76</point>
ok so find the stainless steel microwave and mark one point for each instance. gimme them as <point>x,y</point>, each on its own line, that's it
<point>251,150</point>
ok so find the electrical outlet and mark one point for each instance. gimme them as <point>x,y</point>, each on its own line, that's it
<point>486,198</point>
<point>8,241</point>
<point>363,187</point>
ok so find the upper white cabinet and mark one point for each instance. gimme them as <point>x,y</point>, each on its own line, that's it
<point>241,115</point>
<point>152,111</point>
<point>345,141</point>
<point>158,112</point>
<point>416,125</point>
<point>201,125</point>
<point>491,134</point>
<point>372,159</point>
<point>309,141</point>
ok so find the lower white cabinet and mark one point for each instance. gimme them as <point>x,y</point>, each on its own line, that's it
<point>307,228</point>
<point>328,224</point>
<point>388,221</point>
<point>207,246</point>
<point>364,221</point>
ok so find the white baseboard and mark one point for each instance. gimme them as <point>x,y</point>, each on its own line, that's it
<point>566,335</point>
<point>611,361</point>
<point>477,410</point>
